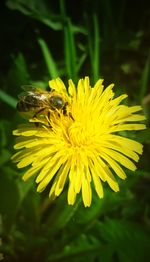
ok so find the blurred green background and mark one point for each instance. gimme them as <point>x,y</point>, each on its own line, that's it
<point>41,40</point>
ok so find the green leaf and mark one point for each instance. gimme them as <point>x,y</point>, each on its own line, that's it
<point>60,214</point>
<point>70,51</point>
<point>130,240</point>
<point>69,44</point>
<point>38,10</point>
<point>30,208</point>
<point>81,61</point>
<point>4,132</point>
<point>18,74</point>
<point>8,99</point>
<point>99,207</point>
<point>96,53</point>
<point>50,62</point>
<point>4,156</point>
<point>80,249</point>
<point>145,78</point>
<point>94,49</point>
<point>10,197</point>
<point>144,136</point>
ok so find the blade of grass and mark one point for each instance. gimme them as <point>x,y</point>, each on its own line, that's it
<point>81,61</point>
<point>50,62</point>
<point>8,99</point>
<point>145,78</point>
<point>96,58</point>
<point>70,52</point>
<point>69,44</point>
<point>94,49</point>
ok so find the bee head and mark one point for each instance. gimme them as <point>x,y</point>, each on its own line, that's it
<point>56,102</point>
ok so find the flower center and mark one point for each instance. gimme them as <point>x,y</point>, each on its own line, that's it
<point>78,134</point>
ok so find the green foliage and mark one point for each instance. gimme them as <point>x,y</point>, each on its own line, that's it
<point>94,49</point>
<point>50,62</point>
<point>48,40</point>
<point>128,236</point>
<point>145,77</point>
<point>8,99</point>
<point>37,10</point>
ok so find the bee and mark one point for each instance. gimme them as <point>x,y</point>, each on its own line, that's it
<point>37,101</point>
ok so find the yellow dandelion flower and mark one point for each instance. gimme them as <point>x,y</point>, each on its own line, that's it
<point>81,147</point>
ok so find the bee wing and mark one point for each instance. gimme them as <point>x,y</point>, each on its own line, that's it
<point>29,90</point>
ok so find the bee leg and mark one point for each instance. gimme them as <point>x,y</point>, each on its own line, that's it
<point>48,115</point>
<point>64,109</point>
<point>35,116</point>
<point>71,116</point>
<point>36,124</point>
<point>37,113</point>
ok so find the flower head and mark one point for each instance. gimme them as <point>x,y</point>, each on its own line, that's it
<point>80,147</point>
